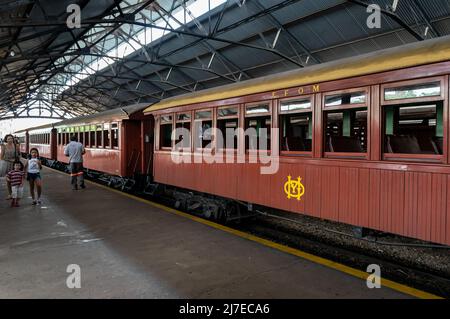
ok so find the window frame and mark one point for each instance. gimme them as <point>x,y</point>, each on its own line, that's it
<point>99,128</point>
<point>325,109</point>
<point>415,158</point>
<point>194,131</point>
<point>118,135</point>
<point>270,113</point>
<point>160,123</point>
<point>107,131</point>
<point>190,120</point>
<point>311,110</point>
<point>92,131</point>
<point>229,117</point>
<point>435,98</point>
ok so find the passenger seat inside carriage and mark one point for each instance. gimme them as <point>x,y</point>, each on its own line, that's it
<point>292,144</point>
<point>410,144</point>
<point>350,144</point>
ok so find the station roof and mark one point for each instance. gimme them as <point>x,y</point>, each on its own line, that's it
<point>144,51</point>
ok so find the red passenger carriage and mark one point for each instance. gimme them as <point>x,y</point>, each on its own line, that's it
<point>367,138</point>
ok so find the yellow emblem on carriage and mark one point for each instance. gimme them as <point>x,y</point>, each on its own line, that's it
<point>294,188</point>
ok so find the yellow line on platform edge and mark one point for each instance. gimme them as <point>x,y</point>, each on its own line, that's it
<point>289,250</point>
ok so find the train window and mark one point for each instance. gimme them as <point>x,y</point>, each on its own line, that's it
<point>86,139</point>
<point>203,115</point>
<point>346,131</point>
<point>99,135</point>
<point>257,109</point>
<point>414,128</point>
<point>296,125</point>
<point>413,91</point>
<point>81,137</point>
<point>227,124</point>
<point>224,112</point>
<point>345,99</point>
<point>258,123</point>
<point>203,129</point>
<point>183,117</point>
<point>165,132</point>
<point>115,135</point>
<point>92,136</point>
<point>183,139</point>
<point>106,136</point>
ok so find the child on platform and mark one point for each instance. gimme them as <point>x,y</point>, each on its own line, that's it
<point>16,178</point>
<point>34,167</point>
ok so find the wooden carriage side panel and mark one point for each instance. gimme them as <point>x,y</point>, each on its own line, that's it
<point>424,206</point>
<point>312,185</point>
<point>301,205</point>
<point>330,193</point>
<point>348,195</point>
<point>386,200</point>
<point>397,202</point>
<point>438,208</point>
<point>364,194</point>
<point>447,215</point>
<point>374,199</point>
<point>411,203</point>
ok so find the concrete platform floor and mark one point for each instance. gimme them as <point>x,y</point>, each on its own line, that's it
<point>129,249</point>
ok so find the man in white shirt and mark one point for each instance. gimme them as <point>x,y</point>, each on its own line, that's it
<point>75,151</point>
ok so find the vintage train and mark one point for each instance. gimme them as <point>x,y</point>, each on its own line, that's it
<point>362,141</point>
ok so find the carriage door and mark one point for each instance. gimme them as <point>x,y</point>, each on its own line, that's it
<point>147,132</point>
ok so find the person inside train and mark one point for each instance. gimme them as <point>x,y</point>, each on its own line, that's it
<point>75,151</point>
<point>9,153</point>
<point>33,169</point>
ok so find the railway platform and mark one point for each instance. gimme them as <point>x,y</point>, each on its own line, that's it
<point>125,247</point>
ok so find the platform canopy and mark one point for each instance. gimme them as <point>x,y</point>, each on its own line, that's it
<point>125,52</point>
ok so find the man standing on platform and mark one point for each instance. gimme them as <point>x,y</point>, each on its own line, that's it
<point>75,151</point>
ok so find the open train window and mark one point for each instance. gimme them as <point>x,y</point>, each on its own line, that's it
<point>346,131</point>
<point>258,123</point>
<point>165,132</point>
<point>92,136</point>
<point>227,125</point>
<point>414,128</point>
<point>81,135</point>
<point>106,136</point>
<point>183,133</point>
<point>115,135</point>
<point>296,125</point>
<point>203,133</point>
<point>99,135</point>
<point>345,123</point>
<point>86,136</point>
<point>413,120</point>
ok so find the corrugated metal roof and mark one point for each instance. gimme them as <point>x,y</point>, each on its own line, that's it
<point>312,32</point>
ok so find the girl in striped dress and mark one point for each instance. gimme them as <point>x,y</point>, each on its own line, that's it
<point>16,178</point>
